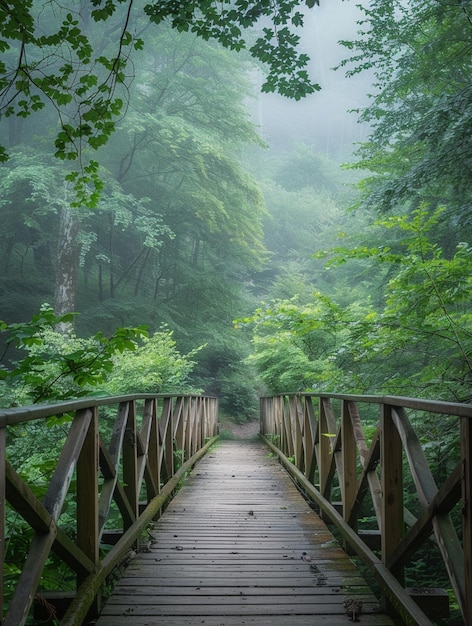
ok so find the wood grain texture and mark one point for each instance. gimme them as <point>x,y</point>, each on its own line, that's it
<point>239,545</point>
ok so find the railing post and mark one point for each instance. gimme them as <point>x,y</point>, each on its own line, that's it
<point>349,477</point>
<point>263,403</point>
<point>466,457</point>
<point>295,432</point>
<point>2,510</point>
<point>392,487</point>
<point>87,498</point>
<point>153,450</point>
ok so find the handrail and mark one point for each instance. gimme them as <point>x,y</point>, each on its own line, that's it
<point>134,465</point>
<point>326,451</point>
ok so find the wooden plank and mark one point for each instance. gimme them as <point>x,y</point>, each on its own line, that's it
<point>260,620</point>
<point>239,544</point>
<point>77,611</point>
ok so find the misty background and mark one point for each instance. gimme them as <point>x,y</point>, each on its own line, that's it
<point>326,119</point>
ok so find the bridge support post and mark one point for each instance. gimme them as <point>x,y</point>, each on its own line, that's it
<point>466,456</point>
<point>349,486</point>
<point>87,499</point>
<point>2,510</point>
<point>392,489</point>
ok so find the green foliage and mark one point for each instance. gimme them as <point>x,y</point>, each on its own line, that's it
<point>77,63</point>
<point>418,342</point>
<point>421,111</point>
<point>301,347</point>
<point>225,21</point>
<point>58,366</point>
<point>155,366</point>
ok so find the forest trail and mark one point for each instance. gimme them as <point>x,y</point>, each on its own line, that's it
<point>240,545</point>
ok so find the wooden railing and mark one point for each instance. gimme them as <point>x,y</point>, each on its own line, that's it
<point>356,460</point>
<point>121,459</point>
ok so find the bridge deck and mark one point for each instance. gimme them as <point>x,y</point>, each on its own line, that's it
<point>239,545</point>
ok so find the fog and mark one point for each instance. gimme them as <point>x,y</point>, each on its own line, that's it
<point>323,118</point>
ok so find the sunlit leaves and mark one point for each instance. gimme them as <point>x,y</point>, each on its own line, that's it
<point>418,342</point>
<point>58,366</point>
<point>156,366</point>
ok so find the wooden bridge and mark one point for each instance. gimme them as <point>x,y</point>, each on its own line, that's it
<point>244,541</point>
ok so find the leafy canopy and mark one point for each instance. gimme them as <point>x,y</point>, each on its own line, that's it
<point>79,59</point>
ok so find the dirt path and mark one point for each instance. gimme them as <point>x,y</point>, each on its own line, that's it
<point>231,430</point>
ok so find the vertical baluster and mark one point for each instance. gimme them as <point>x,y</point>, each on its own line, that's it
<point>310,436</point>
<point>166,431</point>
<point>130,460</point>
<point>325,454</point>
<point>295,432</point>
<point>148,463</point>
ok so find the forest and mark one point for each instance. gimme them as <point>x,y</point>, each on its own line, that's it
<point>144,199</point>
<point>164,231</point>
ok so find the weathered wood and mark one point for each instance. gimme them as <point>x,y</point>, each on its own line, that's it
<point>123,464</point>
<point>166,437</point>
<point>349,482</point>
<point>394,441</point>
<point>88,529</point>
<point>392,488</point>
<point>445,498</point>
<point>446,535</point>
<point>150,456</point>
<point>310,437</point>
<point>130,461</point>
<point>260,620</point>
<point>327,430</point>
<point>53,501</point>
<point>400,600</point>
<point>88,590</point>
<point>87,493</point>
<point>466,462</point>
<point>239,543</point>
<point>2,509</point>
<point>24,501</point>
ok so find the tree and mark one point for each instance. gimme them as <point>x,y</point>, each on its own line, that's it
<point>34,195</point>
<point>57,367</point>
<point>416,343</point>
<point>179,155</point>
<point>79,61</point>
<point>420,114</point>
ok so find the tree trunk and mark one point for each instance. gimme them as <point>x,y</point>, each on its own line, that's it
<point>66,264</point>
